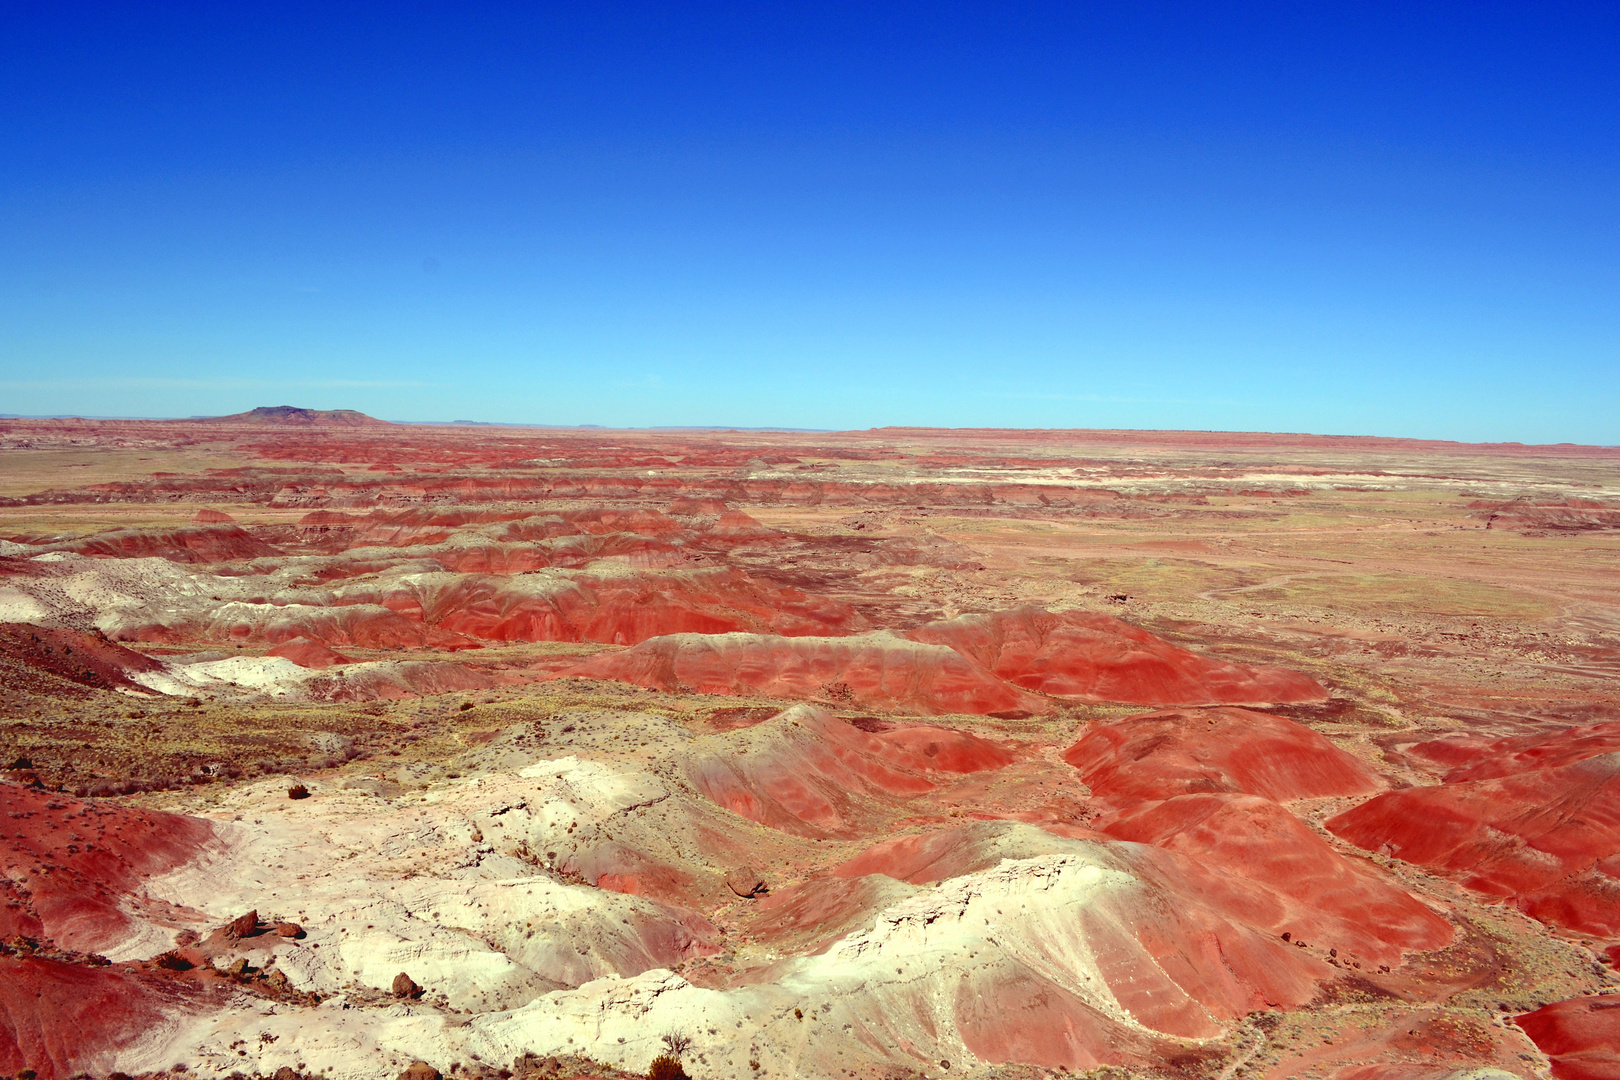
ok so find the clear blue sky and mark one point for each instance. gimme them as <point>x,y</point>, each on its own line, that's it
<point>1396,219</point>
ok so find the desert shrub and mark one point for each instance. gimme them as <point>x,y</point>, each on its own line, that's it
<point>666,1067</point>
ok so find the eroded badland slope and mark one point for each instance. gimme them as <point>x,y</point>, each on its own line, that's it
<point>333,746</point>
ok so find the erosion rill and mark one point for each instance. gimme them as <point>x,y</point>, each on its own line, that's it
<point>346,748</point>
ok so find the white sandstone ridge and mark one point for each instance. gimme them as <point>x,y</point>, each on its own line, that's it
<point>925,984</point>
<point>150,598</point>
<point>277,678</point>
<point>142,599</point>
<point>1072,953</point>
<point>446,884</point>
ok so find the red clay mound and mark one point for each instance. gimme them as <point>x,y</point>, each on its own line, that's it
<point>639,522</point>
<point>187,544</point>
<point>1168,949</point>
<point>493,558</point>
<point>1182,957</point>
<point>924,858</point>
<point>1164,754</point>
<point>67,864</point>
<point>206,516</point>
<point>1580,1035</point>
<point>1546,839</point>
<point>629,608</point>
<point>1096,657</point>
<point>878,671</point>
<point>810,773</point>
<point>309,654</point>
<point>1571,515</point>
<point>87,658</point>
<point>1211,934</point>
<point>630,549</point>
<point>690,507</point>
<point>362,626</point>
<point>63,1019</point>
<point>805,916</point>
<point>336,530</point>
<point>1480,759</point>
<point>1250,859</point>
<point>1316,894</point>
<point>737,528</point>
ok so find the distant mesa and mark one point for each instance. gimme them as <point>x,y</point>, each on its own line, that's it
<point>293,416</point>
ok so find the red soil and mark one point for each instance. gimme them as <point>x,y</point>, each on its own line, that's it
<point>1222,871</point>
<point>1547,839</point>
<point>67,865</point>
<point>1570,515</point>
<point>816,911</point>
<point>687,507</point>
<point>1164,754</point>
<point>1483,759</point>
<point>1018,1017</point>
<point>1169,952</point>
<point>1096,657</point>
<point>1580,1035</point>
<point>310,654</point>
<point>810,773</point>
<point>626,609</point>
<point>638,522</point>
<point>876,671</point>
<point>187,544</point>
<point>923,858</point>
<point>83,657</point>
<point>1182,951</point>
<point>61,1019</point>
<point>1311,891</point>
<point>1197,927</point>
<point>363,626</point>
<point>621,869</point>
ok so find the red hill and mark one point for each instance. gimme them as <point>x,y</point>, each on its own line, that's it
<point>1096,657</point>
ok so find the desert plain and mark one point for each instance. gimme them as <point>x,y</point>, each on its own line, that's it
<point>341,748</point>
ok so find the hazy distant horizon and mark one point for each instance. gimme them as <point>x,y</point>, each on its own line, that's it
<point>748,428</point>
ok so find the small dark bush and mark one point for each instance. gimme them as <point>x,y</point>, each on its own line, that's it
<point>665,1067</point>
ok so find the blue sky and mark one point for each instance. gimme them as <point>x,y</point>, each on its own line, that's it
<point>1393,219</point>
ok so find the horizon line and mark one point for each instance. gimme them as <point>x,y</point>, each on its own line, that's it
<point>897,428</point>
